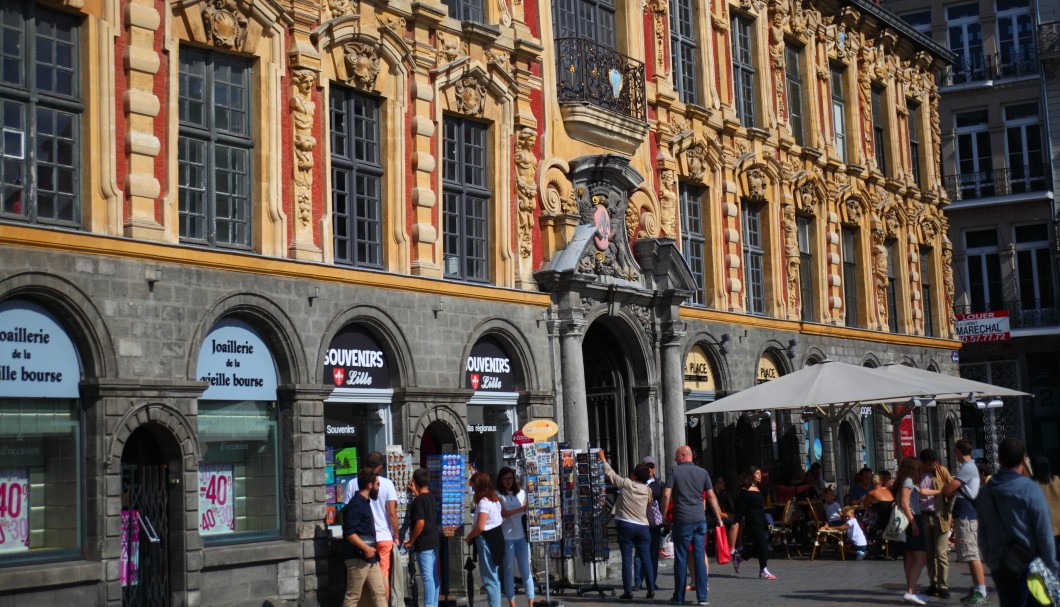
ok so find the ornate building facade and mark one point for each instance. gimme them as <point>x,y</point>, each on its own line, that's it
<point>247,242</point>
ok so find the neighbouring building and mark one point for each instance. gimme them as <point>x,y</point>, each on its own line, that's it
<point>245,243</point>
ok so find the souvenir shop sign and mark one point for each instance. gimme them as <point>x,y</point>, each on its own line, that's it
<point>540,429</point>
<point>14,510</point>
<point>37,358</point>
<point>355,360</point>
<point>489,368</point>
<point>236,363</point>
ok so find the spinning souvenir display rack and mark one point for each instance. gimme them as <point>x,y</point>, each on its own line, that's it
<point>593,513</point>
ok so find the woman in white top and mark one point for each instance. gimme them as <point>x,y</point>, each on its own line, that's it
<point>516,547</point>
<point>908,500</point>
<point>487,535</point>
<point>631,522</point>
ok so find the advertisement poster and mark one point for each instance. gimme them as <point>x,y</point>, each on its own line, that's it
<point>130,548</point>
<point>905,436</point>
<point>14,510</point>
<point>216,500</point>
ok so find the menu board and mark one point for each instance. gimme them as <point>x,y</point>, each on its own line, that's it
<point>542,492</point>
<point>14,510</point>
<point>399,470</point>
<point>592,505</point>
<point>217,507</point>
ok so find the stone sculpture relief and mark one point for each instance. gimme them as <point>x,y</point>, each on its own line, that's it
<point>791,256</point>
<point>303,115</point>
<point>362,64</point>
<point>526,187</point>
<point>668,202</point>
<point>470,96</point>
<point>226,26</point>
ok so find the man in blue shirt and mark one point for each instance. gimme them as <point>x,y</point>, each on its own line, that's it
<point>686,486</point>
<point>965,485</point>
<point>359,554</point>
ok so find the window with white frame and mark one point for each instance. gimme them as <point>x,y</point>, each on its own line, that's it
<point>1034,267</point>
<point>356,178</point>
<point>683,49</point>
<point>591,19</point>
<point>1015,34</point>
<point>753,258</point>
<point>920,21</point>
<point>983,266</point>
<point>40,114</point>
<point>975,166</point>
<point>964,34</point>
<point>743,71</point>
<point>1023,143</point>
<point>466,197</point>
<point>839,121</point>
<point>694,238</point>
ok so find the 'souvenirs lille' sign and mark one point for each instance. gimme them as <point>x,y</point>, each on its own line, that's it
<point>983,326</point>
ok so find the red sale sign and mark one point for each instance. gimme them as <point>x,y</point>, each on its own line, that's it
<point>14,510</point>
<point>905,436</point>
<point>216,501</point>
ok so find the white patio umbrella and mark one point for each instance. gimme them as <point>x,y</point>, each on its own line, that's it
<point>945,387</point>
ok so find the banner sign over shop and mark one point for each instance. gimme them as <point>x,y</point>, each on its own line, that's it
<point>983,326</point>
<point>355,360</point>
<point>489,368</point>
<point>905,436</point>
<point>14,510</point>
<point>216,501</point>
<point>37,358</point>
<point>236,363</point>
<point>699,373</point>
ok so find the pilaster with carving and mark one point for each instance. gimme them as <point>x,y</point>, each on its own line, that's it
<point>791,261</point>
<point>879,274</point>
<point>303,120</point>
<point>668,203</point>
<point>526,192</point>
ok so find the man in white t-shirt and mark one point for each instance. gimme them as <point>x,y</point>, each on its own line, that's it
<point>965,485</point>
<point>384,511</point>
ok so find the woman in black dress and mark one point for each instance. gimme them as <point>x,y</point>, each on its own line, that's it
<point>751,513</point>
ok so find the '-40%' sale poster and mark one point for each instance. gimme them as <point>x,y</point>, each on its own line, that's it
<point>216,499</point>
<point>14,510</point>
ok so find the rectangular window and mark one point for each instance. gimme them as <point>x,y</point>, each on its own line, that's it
<point>356,178</point>
<point>975,167</point>
<point>839,113</point>
<point>793,73</point>
<point>1015,28</point>
<point>466,197</point>
<point>40,115</point>
<point>920,21</point>
<point>913,123</point>
<point>694,239</point>
<point>214,149</point>
<point>1023,140</point>
<point>892,289</point>
<point>1034,267</point>
<point>753,258</point>
<point>743,71</point>
<point>984,271</point>
<point>591,19</point>
<point>240,471</point>
<point>850,276</point>
<point>879,140</point>
<point>927,305</point>
<point>964,34</point>
<point>683,49</point>
<point>40,479</point>
<point>466,10</point>
<point>805,235</point>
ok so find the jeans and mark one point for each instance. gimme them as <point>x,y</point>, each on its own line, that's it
<point>683,535</point>
<point>517,552</point>
<point>635,537</point>
<point>426,561</point>
<point>654,546</point>
<point>1011,588</point>
<point>490,573</point>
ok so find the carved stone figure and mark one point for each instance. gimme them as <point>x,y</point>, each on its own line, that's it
<point>807,199</point>
<point>879,272</point>
<point>668,202</point>
<point>303,115</point>
<point>526,187</point>
<point>470,96</point>
<point>362,64</point>
<point>791,256</point>
<point>696,161</point>
<point>449,48</point>
<point>853,210</point>
<point>929,231</point>
<point>947,279</point>
<point>225,24</point>
<point>333,9</point>
<point>890,217</point>
<point>756,183</point>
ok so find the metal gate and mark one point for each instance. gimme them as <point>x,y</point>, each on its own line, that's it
<point>145,527</point>
<point>1008,421</point>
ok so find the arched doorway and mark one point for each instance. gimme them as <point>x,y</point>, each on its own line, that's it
<point>438,437</point>
<point>847,460</point>
<point>608,397</point>
<point>144,565</point>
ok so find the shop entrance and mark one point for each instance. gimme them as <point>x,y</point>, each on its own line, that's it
<point>145,522</point>
<point>612,425</point>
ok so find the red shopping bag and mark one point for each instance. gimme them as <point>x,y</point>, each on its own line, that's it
<point>721,545</point>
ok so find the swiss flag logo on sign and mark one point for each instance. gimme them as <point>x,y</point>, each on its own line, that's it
<point>476,381</point>
<point>339,374</point>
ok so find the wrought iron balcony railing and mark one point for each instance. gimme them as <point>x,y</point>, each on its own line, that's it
<point>601,76</point>
<point>969,186</point>
<point>1049,38</point>
<point>980,67</point>
<point>1022,314</point>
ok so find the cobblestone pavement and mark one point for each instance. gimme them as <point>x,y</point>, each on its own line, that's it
<point>825,582</point>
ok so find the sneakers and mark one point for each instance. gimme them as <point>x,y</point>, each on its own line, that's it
<point>859,555</point>
<point>736,562</point>
<point>626,597</point>
<point>766,575</point>
<point>975,598</point>
<point>915,599</point>
<point>703,603</point>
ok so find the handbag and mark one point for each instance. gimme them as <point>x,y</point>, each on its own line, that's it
<point>655,518</point>
<point>896,525</point>
<point>721,545</point>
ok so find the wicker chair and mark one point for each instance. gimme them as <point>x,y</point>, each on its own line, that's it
<point>783,531</point>
<point>826,536</point>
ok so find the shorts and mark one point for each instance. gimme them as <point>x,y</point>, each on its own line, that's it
<point>916,543</point>
<point>966,531</point>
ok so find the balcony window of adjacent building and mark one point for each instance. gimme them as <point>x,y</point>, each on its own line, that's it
<point>1015,32</point>
<point>40,114</point>
<point>892,288</point>
<point>804,228</point>
<point>356,178</point>
<point>743,71</point>
<point>683,49</point>
<point>793,75</point>
<point>693,238</point>
<point>590,19</point>
<point>984,271</point>
<point>927,306</point>
<point>465,199</point>
<point>913,126</point>
<point>466,10</point>
<point>964,33</point>
<point>975,166</point>
<point>1034,267</point>
<point>879,134</point>
<point>839,120</point>
<point>920,21</point>
<point>214,149</point>
<point>1023,140</point>
<point>753,258</point>
<point>850,275</point>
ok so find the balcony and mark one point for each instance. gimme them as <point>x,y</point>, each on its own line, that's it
<point>983,68</point>
<point>600,76</point>
<point>1020,180</point>
<point>1025,314</point>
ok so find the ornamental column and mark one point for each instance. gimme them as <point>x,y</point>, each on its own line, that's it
<point>575,426</point>
<point>673,395</point>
